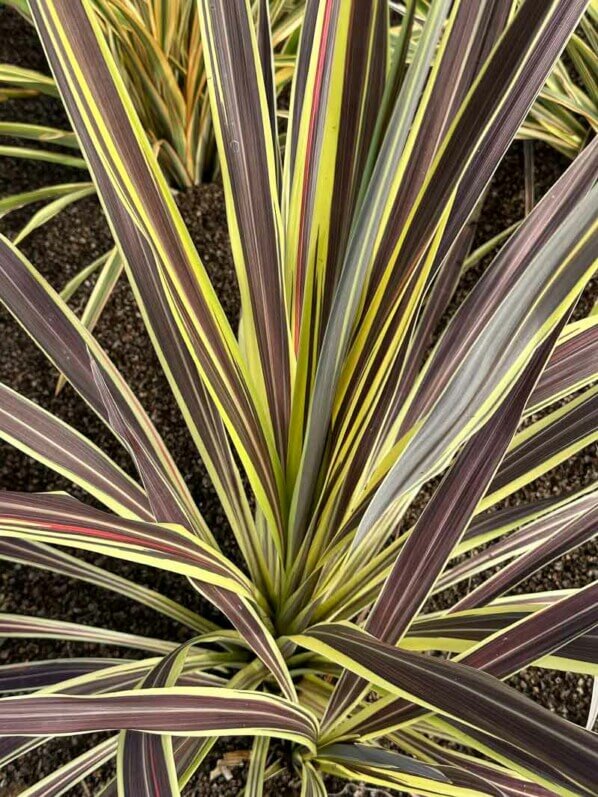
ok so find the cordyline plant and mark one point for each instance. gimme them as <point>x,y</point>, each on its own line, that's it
<point>335,408</point>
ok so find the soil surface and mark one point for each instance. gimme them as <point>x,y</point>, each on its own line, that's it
<point>59,250</point>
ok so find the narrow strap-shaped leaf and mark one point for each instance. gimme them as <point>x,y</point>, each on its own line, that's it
<point>501,654</point>
<point>532,466</point>
<point>66,342</point>
<point>461,632</point>
<point>450,782</point>
<point>33,675</point>
<point>474,30</point>
<point>123,674</point>
<point>74,771</point>
<point>475,391</point>
<point>165,506</point>
<point>514,756</point>
<point>162,494</point>
<point>298,94</point>
<point>150,59</point>
<point>352,279</point>
<point>395,77</point>
<point>568,537</point>
<point>359,591</point>
<point>465,694</point>
<point>23,626</point>
<point>189,753</point>
<point>379,757</point>
<point>541,526</point>
<point>16,201</point>
<point>312,783</point>
<point>505,781</point>
<point>467,158</point>
<point>28,80</point>
<point>254,785</point>
<point>584,60</point>
<point>489,526</point>
<point>129,426</point>
<point>593,712</point>
<point>395,275</point>
<point>242,124</point>
<point>57,445</point>
<point>49,211</point>
<point>345,80</point>
<point>546,29</point>
<point>102,291</point>
<point>510,650</point>
<point>409,365</point>
<point>197,406</point>
<point>490,105</point>
<point>131,185</point>
<point>253,630</point>
<point>528,171</point>
<point>266,54</point>
<point>152,755</point>
<point>44,155</point>
<point>114,678</point>
<point>571,366</point>
<point>69,775</point>
<point>545,221</point>
<point>63,520</point>
<point>65,138</point>
<point>190,756</point>
<point>35,554</point>
<point>73,285</point>
<point>546,443</point>
<point>499,288</point>
<point>146,764</point>
<point>198,711</point>
<point>425,553</point>
<point>344,86</point>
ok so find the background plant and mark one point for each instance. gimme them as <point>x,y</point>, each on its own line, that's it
<point>565,114</point>
<point>336,406</point>
<point>157,46</point>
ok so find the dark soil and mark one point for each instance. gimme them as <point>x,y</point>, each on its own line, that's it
<point>59,250</point>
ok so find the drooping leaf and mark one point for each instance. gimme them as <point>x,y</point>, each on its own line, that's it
<point>36,554</point>
<point>185,711</point>
<point>465,694</point>
<point>57,445</point>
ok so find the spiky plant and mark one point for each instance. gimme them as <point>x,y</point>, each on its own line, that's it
<point>336,405</point>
